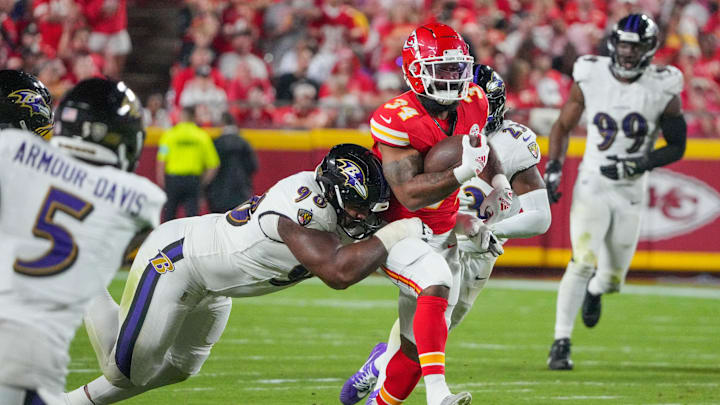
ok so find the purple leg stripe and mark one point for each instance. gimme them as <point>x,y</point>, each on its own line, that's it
<point>138,309</point>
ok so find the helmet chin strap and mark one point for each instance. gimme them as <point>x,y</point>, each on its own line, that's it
<point>434,108</point>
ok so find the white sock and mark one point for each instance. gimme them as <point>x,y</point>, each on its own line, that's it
<point>102,392</point>
<point>11,395</point>
<point>570,297</point>
<point>101,324</point>
<point>436,388</point>
<point>594,287</point>
<point>77,397</point>
<point>393,345</point>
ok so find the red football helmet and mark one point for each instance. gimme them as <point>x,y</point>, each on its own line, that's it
<point>437,63</point>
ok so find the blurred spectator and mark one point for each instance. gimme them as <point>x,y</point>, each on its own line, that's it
<point>204,116</point>
<point>84,67</point>
<point>204,27</point>
<point>238,16</point>
<point>52,73</point>
<point>53,18</point>
<point>552,86</point>
<point>521,93</point>
<point>254,111</point>
<point>108,21</point>
<point>357,81</point>
<point>186,163</point>
<point>284,84</point>
<point>154,113</point>
<point>284,24</point>
<point>233,183</point>
<point>241,53</point>
<point>238,89</point>
<point>303,113</point>
<point>202,90</point>
<point>199,57</point>
<point>74,42</point>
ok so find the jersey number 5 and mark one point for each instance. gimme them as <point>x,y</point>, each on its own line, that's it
<point>64,250</point>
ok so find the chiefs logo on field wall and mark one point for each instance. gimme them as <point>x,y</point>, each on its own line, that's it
<point>677,204</point>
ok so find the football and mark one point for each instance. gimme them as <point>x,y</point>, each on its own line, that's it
<point>446,154</point>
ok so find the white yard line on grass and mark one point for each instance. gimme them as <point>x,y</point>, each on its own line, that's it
<point>512,284</point>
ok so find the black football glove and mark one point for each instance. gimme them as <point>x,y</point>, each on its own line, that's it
<point>553,174</point>
<point>625,167</point>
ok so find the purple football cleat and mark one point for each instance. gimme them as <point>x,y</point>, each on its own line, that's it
<point>363,381</point>
<point>371,398</point>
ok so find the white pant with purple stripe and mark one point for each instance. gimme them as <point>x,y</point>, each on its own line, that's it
<point>163,318</point>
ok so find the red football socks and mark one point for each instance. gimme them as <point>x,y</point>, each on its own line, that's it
<point>431,333</point>
<point>403,375</point>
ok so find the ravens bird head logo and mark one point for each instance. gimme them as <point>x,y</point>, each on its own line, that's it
<point>354,176</point>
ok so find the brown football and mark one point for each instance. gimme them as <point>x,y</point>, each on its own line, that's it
<point>446,154</point>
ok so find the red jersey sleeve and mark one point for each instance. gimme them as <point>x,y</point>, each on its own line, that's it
<point>386,126</point>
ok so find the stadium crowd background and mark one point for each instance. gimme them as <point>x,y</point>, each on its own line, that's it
<point>329,63</point>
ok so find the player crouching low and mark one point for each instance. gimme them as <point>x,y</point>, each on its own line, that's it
<point>177,297</point>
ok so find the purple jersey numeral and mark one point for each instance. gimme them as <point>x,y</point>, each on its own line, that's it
<point>64,250</point>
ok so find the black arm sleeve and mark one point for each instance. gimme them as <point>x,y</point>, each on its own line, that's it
<point>674,130</point>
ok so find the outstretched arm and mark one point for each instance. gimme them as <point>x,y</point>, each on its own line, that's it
<point>340,266</point>
<point>535,216</point>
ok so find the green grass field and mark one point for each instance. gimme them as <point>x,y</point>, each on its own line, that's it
<point>653,345</point>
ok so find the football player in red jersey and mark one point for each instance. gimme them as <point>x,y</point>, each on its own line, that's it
<point>442,102</point>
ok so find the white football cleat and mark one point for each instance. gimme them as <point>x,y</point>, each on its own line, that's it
<point>463,398</point>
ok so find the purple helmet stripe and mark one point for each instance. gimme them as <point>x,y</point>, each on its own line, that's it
<point>627,23</point>
<point>138,309</point>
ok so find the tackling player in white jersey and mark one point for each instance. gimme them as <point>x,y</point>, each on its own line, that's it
<point>484,214</point>
<point>177,298</point>
<point>68,209</point>
<point>627,100</point>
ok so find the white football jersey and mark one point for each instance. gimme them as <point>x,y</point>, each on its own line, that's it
<point>516,146</point>
<point>64,226</point>
<point>622,118</point>
<point>241,254</point>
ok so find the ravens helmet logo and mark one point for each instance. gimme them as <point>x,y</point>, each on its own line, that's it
<point>32,100</point>
<point>354,176</point>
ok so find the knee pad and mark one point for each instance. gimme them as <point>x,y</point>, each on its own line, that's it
<point>113,373</point>
<point>581,269</point>
<point>609,282</point>
<point>414,260</point>
<point>168,375</point>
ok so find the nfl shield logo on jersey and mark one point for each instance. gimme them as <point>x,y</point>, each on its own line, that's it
<point>534,149</point>
<point>304,217</point>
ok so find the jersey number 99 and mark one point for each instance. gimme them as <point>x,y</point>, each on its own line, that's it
<point>634,126</point>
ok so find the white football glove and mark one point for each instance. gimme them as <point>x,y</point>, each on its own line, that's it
<point>497,203</point>
<point>474,159</point>
<point>396,231</point>
<point>484,239</point>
